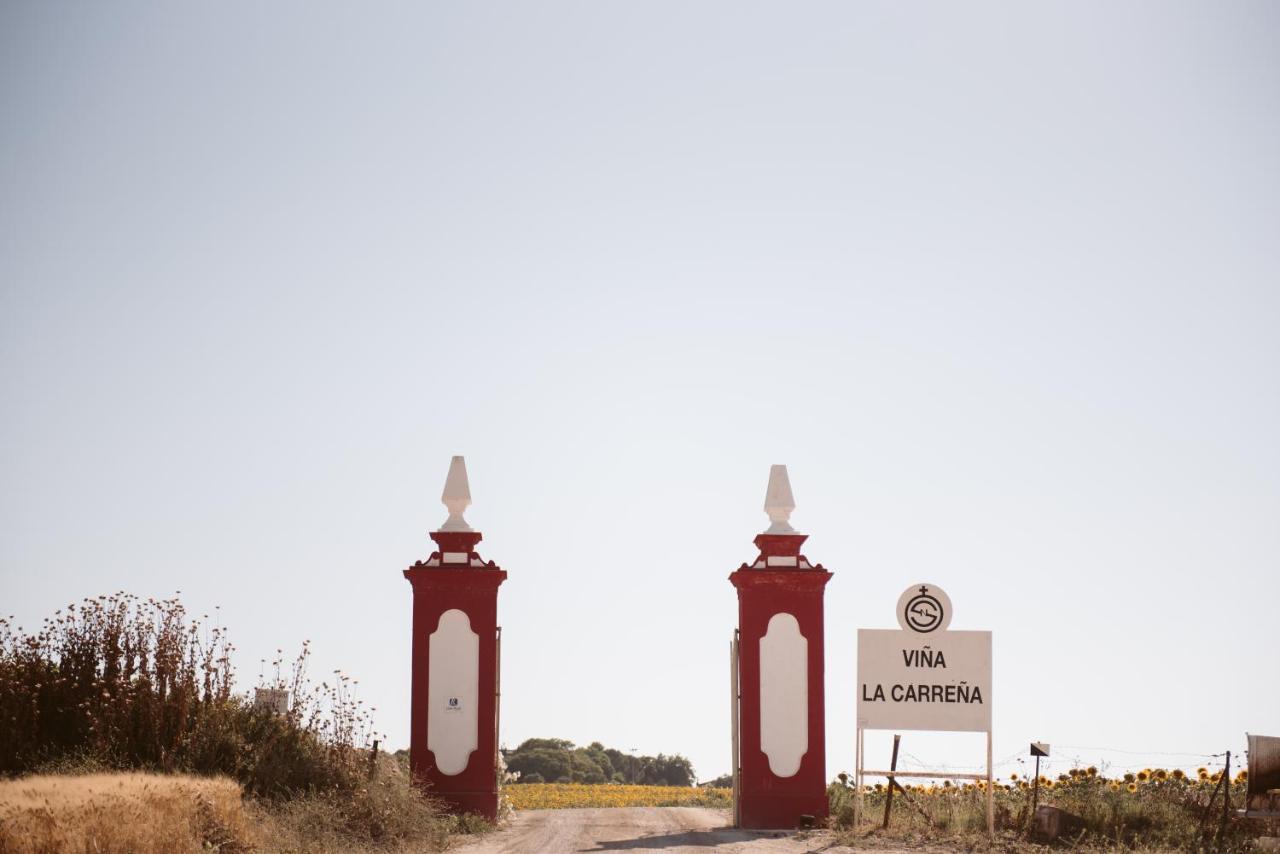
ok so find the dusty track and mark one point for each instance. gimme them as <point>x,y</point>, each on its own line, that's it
<point>672,830</point>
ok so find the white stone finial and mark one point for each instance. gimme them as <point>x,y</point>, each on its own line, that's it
<point>778,501</point>
<point>456,496</point>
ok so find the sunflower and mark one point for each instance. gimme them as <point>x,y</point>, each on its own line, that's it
<point>1115,787</point>
<point>1013,776</point>
<point>1243,775</point>
<point>1161,774</point>
<point>1132,787</point>
<point>1092,771</point>
<point>1129,778</point>
<point>1144,775</point>
<point>1177,774</point>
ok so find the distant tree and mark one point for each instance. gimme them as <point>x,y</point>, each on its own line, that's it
<point>600,758</point>
<point>724,781</point>
<point>548,763</point>
<point>679,771</point>
<point>545,744</point>
<point>663,770</point>
<point>560,760</point>
<point>624,764</point>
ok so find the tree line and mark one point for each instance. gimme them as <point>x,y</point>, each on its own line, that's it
<point>557,760</point>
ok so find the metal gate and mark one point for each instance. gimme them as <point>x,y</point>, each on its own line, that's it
<point>734,701</point>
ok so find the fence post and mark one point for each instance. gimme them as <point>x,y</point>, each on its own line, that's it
<point>1226,797</point>
<point>893,766</point>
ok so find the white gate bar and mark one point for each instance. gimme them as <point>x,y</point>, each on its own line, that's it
<point>927,775</point>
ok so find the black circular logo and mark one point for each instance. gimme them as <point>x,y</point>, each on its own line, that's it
<point>923,612</point>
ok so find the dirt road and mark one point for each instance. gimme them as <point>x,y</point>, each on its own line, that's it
<point>670,829</point>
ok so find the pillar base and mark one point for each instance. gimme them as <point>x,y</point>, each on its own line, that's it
<point>782,812</point>
<point>780,581</point>
<point>483,804</point>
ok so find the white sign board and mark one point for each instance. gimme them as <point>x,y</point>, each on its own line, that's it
<point>924,676</point>
<point>909,681</point>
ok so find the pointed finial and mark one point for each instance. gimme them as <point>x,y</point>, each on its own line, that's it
<point>456,496</point>
<point>778,501</point>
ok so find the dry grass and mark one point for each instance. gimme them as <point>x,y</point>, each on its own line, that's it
<point>155,813</point>
<point>134,813</point>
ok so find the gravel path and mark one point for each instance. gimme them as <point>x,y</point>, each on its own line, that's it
<point>672,830</point>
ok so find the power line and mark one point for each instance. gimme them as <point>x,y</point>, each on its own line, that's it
<point>1138,752</point>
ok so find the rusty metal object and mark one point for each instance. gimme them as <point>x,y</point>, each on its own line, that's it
<point>1264,773</point>
<point>1051,823</point>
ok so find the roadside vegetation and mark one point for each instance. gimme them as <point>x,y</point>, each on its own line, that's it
<point>1152,809</point>
<point>117,685</point>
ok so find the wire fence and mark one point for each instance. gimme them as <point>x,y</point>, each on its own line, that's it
<point>1068,756</point>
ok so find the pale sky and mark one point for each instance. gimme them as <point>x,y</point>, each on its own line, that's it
<point>1000,283</point>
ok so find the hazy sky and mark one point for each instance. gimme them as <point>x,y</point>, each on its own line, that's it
<point>999,282</point>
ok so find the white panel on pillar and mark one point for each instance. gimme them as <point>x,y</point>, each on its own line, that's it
<point>784,695</point>
<point>453,689</point>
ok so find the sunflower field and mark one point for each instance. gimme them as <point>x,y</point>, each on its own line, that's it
<point>558,796</point>
<point>1151,807</point>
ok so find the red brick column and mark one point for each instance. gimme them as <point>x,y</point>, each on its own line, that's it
<point>782,584</point>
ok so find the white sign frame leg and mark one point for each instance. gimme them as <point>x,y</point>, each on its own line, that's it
<point>860,773</point>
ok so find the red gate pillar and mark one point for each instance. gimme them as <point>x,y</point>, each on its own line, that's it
<point>453,740</point>
<point>783,775</point>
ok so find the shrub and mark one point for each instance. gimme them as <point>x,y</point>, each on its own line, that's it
<point>383,813</point>
<point>116,682</point>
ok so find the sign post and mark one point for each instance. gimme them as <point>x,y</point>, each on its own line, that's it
<point>924,677</point>
<point>1038,749</point>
